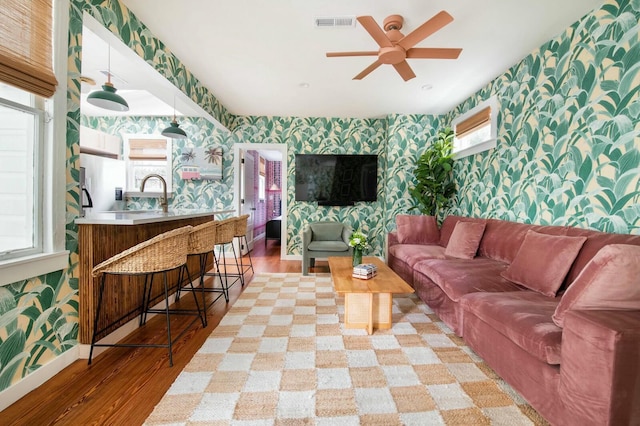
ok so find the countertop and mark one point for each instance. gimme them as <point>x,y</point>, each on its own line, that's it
<point>139,217</point>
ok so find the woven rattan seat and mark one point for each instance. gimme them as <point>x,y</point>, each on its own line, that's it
<point>240,234</point>
<point>202,239</point>
<point>158,255</point>
<point>230,271</point>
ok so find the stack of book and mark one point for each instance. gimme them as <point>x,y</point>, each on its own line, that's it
<point>365,271</point>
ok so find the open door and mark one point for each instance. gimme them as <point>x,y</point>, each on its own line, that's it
<point>247,182</point>
<point>240,194</point>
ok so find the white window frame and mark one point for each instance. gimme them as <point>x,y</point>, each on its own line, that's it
<point>131,190</point>
<point>261,187</point>
<point>52,256</point>
<point>484,145</point>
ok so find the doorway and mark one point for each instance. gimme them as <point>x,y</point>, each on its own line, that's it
<point>241,181</point>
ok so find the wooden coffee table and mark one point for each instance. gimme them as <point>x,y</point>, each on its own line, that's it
<point>367,303</point>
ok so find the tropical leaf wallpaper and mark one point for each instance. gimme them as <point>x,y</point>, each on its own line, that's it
<point>323,136</point>
<point>567,153</point>
<point>187,194</point>
<point>568,139</point>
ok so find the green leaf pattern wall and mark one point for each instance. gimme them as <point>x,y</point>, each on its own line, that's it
<point>567,154</point>
<point>323,136</point>
<point>187,194</point>
<point>568,145</point>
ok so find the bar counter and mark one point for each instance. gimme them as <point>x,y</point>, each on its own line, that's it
<point>103,235</point>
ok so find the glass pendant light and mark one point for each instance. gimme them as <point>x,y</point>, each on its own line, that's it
<point>107,98</point>
<point>174,131</point>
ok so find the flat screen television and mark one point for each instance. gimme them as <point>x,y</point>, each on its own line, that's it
<point>336,179</point>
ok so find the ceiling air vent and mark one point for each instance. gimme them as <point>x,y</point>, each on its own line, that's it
<point>334,22</point>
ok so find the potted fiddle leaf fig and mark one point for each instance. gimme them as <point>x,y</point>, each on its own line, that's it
<point>434,175</point>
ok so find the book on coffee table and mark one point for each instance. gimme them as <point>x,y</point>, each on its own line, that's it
<point>365,271</point>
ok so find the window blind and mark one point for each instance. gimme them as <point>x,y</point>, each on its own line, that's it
<point>262,167</point>
<point>147,149</point>
<point>26,47</point>
<point>477,120</point>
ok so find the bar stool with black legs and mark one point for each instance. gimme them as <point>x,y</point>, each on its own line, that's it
<point>202,240</point>
<point>158,255</point>
<point>229,270</point>
<point>241,234</point>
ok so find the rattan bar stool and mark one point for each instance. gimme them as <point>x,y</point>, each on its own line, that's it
<point>158,255</point>
<point>240,234</point>
<point>224,236</point>
<point>202,240</point>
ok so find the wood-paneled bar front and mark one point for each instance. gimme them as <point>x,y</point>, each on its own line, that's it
<point>104,235</point>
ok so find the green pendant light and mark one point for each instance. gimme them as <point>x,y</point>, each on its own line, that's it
<point>174,131</point>
<point>107,98</point>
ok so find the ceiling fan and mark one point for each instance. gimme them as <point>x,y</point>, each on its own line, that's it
<point>396,48</point>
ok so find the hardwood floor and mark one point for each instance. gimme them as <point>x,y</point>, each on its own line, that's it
<point>123,385</point>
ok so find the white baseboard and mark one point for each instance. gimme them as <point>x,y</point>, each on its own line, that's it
<point>37,378</point>
<point>80,351</point>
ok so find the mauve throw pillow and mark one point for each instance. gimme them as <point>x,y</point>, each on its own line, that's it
<point>417,229</point>
<point>543,261</point>
<point>465,240</point>
<point>609,281</point>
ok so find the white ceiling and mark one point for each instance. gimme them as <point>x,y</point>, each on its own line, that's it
<point>146,91</point>
<point>255,56</point>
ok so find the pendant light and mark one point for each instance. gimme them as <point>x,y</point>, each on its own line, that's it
<point>107,98</point>
<point>174,131</point>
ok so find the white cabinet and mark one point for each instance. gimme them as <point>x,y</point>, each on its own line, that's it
<point>99,143</point>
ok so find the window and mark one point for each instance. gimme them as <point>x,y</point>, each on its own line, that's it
<point>476,130</point>
<point>21,133</point>
<point>261,184</point>
<point>261,179</point>
<point>144,155</point>
<point>32,141</point>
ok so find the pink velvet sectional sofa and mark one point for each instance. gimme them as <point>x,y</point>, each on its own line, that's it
<point>554,310</point>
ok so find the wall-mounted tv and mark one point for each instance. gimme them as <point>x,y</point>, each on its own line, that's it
<point>336,179</point>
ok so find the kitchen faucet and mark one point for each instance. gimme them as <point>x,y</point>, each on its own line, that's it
<point>163,201</point>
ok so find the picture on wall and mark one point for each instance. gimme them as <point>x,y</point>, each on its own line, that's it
<point>201,163</point>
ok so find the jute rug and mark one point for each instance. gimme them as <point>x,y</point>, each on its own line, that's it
<point>281,356</point>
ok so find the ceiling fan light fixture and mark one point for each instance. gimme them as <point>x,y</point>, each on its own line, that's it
<point>107,98</point>
<point>174,131</point>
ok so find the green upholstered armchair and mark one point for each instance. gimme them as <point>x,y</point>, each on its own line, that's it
<point>324,239</point>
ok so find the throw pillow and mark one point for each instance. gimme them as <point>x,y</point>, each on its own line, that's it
<point>543,261</point>
<point>465,240</point>
<point>609,281</point>
<point>413,229</point>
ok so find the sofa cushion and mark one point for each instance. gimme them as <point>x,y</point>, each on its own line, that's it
<point>465,240</point>
<point>502,239</point>
<point>412,229</point>
<point>457,277</point>
<point>327,246</point>
<point>413,253</point>
<point>524,317</point>
<point>324,231</point>
<point>543,261</point>
<point>609,281</point>
<point>449,224</point>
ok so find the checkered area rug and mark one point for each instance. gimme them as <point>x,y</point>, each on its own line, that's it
<point>281,356</point>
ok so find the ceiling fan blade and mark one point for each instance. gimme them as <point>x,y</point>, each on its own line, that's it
<point>425,30</point>
<point>404,70</point>
<point>367,70</point>
<point>363,53</point>
<point>433,53</point>
<point>369,24</point>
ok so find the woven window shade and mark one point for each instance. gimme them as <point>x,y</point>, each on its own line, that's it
<point>262,167</point>
<point>477,120</point>
<point>147,149</point>
<point>25,46</point>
